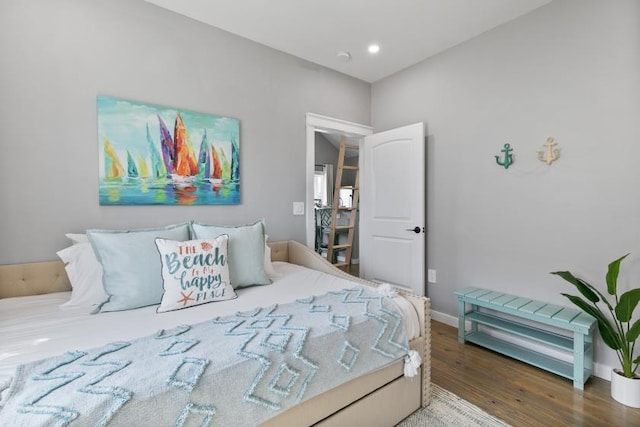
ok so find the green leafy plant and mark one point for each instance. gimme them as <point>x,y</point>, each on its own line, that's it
<point>616,329</point>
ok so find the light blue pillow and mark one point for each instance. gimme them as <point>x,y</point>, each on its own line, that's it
<point>132,272</point>
<point>245,249</point>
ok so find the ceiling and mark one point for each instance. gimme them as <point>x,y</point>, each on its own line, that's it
<point>407,31</point>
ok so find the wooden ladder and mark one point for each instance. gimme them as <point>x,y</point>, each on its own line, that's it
<point>335,230</point>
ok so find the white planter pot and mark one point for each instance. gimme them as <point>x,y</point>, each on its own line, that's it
<point>625,390</point>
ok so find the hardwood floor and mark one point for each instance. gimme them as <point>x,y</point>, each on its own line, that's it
<point>520,394</point>
<point>354,270</point>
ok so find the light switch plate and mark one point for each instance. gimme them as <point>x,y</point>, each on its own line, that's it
<point>431,276</point>
<point>298,208</point>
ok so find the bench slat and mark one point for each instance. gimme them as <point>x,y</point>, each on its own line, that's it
<point>532,307</point>
<point>490,296</point>
<point>476,293</point>
<point>549,310</point>
<point>465,291</point>
<point>566,315</point>
<point>584,320</point>
<point>517,303</point>
<point>504,299</point>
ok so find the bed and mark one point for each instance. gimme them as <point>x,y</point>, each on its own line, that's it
<point>382,397</point>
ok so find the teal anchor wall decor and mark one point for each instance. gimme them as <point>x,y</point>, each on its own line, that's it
<point>508,157</point>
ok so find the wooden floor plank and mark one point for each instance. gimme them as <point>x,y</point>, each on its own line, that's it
<point>520,394</point>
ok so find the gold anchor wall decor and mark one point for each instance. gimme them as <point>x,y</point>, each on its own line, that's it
<point>549,154</point>
<point>508,157</point>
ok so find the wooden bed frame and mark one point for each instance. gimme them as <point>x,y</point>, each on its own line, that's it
<point>381,398</point>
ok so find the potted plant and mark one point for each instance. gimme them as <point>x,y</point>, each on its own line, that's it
<point>615,326</point>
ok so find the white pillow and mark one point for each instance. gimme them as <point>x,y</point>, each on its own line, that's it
<point>194,272</point>
<point>85,274</point>
<point>77,238</point>
<point>268,267</point>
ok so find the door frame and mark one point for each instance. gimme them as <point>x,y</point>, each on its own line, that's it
<point>319,123</point>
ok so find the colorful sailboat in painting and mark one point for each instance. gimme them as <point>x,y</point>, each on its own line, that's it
<point>204,162</point>
<point>167,146</point>
<point>143,168</point>
<point>235,163</point>
<point>113,169</point>
<point>185,167</point>
<point>132,169</point>
<point>216,172</point>
<point>226,166</point>
<point>158,167</point>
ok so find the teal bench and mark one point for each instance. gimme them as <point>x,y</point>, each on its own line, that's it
<point>503,312</point>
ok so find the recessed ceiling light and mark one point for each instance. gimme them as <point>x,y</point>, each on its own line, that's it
<point>373,48</point>
<point>344,55</point>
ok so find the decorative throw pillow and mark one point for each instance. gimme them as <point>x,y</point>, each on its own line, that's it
<point>194,272</point>
<point>85,275</point>
<point>246,251</point>
<point>131,266</point>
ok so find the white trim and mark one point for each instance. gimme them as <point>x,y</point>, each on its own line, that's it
<point>447,319</point>
<point>602,371</point>
<point>330,124</point>
<point>599,370</point>
<point>316,122</point>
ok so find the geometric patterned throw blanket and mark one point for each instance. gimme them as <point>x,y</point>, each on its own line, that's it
<point>238,370</point>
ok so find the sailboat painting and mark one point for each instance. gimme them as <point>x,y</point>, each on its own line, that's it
<point>155,155</point>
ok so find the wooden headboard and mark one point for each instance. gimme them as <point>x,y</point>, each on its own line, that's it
<point>37,278</point>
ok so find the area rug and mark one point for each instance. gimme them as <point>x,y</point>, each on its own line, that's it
<point>448,410</point>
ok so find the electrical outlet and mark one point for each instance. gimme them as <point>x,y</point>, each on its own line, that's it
<point>431,276</point>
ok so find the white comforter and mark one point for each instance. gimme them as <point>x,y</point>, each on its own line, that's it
<point>34,327</point>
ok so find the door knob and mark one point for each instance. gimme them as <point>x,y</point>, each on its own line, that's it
<point>415,229</point>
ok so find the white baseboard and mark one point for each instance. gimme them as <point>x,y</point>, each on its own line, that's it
<point>599,370</point>
<point>447,319</point>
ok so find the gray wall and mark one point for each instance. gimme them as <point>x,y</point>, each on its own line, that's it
<point>326,152</point>
<point>56,56</point>
<point>569,70</point>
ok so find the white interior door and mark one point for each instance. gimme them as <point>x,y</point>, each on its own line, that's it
<point>392,207</point>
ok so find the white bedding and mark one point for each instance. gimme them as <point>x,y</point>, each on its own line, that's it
<point>34,327</point>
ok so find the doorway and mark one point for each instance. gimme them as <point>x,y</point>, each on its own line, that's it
<point>336,196</point>
<point>331,128</point>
